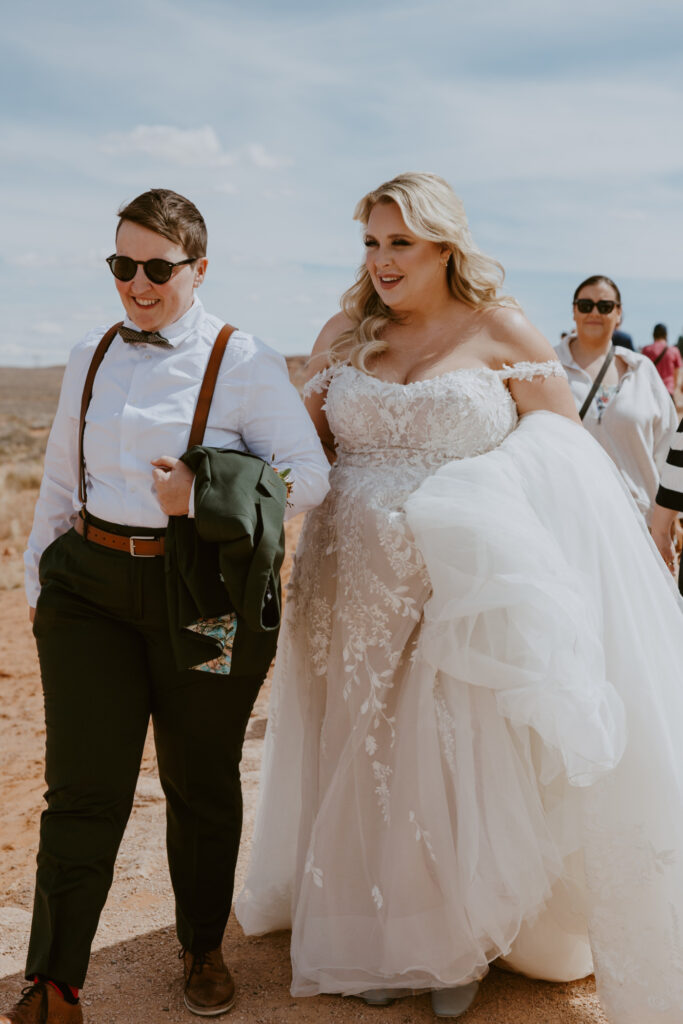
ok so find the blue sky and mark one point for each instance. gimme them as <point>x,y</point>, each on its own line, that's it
<point>559,125</point>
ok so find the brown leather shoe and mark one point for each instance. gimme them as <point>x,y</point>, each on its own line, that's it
<point>42,1004</point>
<point>209,988</point>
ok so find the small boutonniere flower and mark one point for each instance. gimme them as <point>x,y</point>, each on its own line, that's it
<point>285,476</point>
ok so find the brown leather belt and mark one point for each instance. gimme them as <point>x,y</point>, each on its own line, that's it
<point>138,547</point>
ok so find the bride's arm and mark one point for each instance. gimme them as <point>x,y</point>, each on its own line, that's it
<point>314,397</point>
<point>520,342</point>
<point>661,528</point>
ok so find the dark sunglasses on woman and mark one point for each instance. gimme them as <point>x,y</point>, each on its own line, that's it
<point>587,305</point>
<point>158,271</point>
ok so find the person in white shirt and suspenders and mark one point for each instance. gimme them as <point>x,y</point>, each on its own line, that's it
<point>95,581</point>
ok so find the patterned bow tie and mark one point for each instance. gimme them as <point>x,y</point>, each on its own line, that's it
<point>143,337</point>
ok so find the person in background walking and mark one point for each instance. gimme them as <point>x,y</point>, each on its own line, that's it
<point>679,343</point>
<point>623,340</point>
<point>629,413</point>
<point>666,358</point>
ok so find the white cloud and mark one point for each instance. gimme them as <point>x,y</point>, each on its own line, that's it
<point>186,146</point>
<point>260,157</point>
<point>564,128</point>
<point>562,140</point>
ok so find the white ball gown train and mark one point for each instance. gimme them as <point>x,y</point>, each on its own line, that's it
<point>473,746</point>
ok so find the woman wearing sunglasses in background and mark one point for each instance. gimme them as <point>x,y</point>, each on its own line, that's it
<point>630,412</point>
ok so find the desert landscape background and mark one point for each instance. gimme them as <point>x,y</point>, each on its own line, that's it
<point>135,974</point>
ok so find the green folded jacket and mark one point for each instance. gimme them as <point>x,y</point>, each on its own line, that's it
<point>223,566</point>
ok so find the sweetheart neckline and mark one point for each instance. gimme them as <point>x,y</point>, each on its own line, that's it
<point>426,380</point>
<point>522,370</point>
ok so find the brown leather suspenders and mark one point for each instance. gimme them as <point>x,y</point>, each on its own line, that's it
<point>201,412</point>
<point>98,356</point>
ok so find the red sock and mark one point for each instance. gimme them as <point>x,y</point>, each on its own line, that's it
<point>65,991</point>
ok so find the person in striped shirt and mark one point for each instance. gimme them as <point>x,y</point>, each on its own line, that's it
<point>669,504</point>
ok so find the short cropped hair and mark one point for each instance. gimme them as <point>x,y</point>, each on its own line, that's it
<point>170,215</point>
<point>659,331</point>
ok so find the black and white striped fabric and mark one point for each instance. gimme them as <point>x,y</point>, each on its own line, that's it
<point>670,493</point>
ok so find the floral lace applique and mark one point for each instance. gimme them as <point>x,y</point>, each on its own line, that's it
<point>421,834</point>
<point>365,585</point>
<point>311,869</point>
<point>318,383</point>
<point>529,370</point>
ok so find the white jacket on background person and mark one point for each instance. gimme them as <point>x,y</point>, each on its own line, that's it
<point>636,426</point>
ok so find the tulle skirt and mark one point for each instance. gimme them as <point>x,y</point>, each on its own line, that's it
<point>525,782</point>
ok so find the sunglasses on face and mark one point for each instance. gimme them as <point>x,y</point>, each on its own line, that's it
<point>158,271</point>
<point>587,305</point>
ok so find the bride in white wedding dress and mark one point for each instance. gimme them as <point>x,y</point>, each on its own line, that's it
<point>473,747</point>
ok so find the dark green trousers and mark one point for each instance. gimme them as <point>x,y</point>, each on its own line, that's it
<point>106,666</point>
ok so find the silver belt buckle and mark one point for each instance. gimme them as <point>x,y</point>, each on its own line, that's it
<point>131,546</point>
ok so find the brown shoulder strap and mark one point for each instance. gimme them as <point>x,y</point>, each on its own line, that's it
<point>661,355</point>
<point>201,412</point>
<point>98,356</point>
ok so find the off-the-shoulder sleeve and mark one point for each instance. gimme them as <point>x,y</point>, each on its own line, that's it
<point>529,370</point>
<point>319,381</point>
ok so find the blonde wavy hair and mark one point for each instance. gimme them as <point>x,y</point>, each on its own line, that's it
<point>431,210</point>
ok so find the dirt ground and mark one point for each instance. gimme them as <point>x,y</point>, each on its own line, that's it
<point>135,974</point>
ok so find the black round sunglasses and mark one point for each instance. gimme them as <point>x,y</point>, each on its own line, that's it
<point>158,271</point>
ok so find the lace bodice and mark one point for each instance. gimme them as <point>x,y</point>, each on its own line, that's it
<point>460,413</point>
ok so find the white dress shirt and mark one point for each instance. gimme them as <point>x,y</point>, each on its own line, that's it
<point>142,406</point>
<point>636,426</point>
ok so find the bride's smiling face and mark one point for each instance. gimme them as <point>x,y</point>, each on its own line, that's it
<point>406,270</point>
